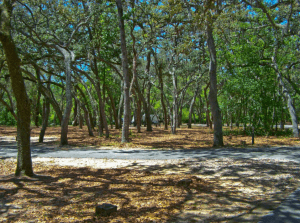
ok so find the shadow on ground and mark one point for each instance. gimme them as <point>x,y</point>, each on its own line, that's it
<point>222,190</point>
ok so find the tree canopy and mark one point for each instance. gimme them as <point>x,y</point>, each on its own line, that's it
<point>220,62</point>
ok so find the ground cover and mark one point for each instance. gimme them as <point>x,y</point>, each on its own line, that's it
<point>222,190</point>
<point>197,137</point>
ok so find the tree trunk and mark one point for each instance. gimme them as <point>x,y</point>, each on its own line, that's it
<point>46,92</point>
<point>163,106</point>
<point>46,112</point>
<point>208,120</point>
<point>37,109</point>
<point>288,97</point>
<point>126,118</point>
<point>79,117</point>
<point>213,93</point>
<point>87,120</point>
<point>161,87</point>
<point>192,107</point>
<point>120,111</point>
<point>68,57</point>
<point>75,123</point>
<point>138,114</point>
<point>10,107</point>
<point>147,106</point>
<point>282,119</point>
<point>174,119</point>
<point>102,111</point>
<point>24,163</point>
<point>180,116</point>
<point>91,117</point>
<point>53,102</point>
<point>115,114</point>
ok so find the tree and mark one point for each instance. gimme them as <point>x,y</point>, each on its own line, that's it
<point>213,93</point>
<point>24,163</point>
<point>126,117</point>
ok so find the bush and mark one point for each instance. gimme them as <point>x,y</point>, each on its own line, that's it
<point>259,132</point>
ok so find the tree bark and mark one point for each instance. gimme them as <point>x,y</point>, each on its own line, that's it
<point>126,118</point>
<point>163,101</point>
<point>87,120</point>
<point>192,106</point>
<point>213,93</point>
<point>24,163</point>
<point>37,109</point>
<point>79,117</point>
<point>102,111</point>
<point>46,109</point>
<point>68,57</point>
<point>102,116</point>
<point>174,119</point>
<point>75,123</point>
<point>9,108</point>
<point>115,114</point>
<point>147,106</point>
<point>46,112</point>
<point>138,114</point>
<point>288,97</point>
<point>208,120</point>
<point>120,110</point>
<point>161,88</point>
<point>46,92</point>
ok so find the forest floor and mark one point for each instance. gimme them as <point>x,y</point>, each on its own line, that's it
<point>194,138</point>
<point>222,190</point>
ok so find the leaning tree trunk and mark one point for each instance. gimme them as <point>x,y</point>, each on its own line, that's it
<point>213,93</point>
<point>288,97</point>
<point>79,117</point>
<point>37,109</point>
<point>75,123</point>
<point>68,57</point>
<point>46,112</point>
<point>126,118</point>
<point>24,163</point>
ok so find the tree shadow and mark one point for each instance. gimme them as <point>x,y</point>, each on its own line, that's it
<point>73,193</point>
<point>235,190</point>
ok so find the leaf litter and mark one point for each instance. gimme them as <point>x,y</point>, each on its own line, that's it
<point>222,190</point>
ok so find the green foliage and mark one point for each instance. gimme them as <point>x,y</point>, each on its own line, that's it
<point>174,32</point>
<point>6,118</point>
<point>258,132</point>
